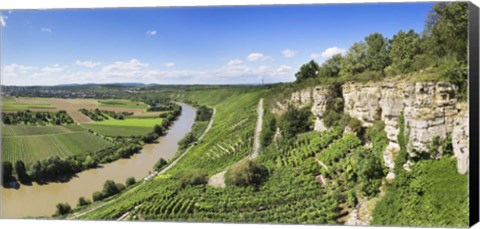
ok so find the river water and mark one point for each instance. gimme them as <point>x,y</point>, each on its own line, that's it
<point>41,200</point>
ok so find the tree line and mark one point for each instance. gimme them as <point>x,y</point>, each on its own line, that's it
<point>441,48</point>
<point>36,118</point>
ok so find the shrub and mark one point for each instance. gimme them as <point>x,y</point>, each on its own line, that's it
<point>193,179</point>
<point>160,164</point>
<point>96,196</point>
<point>83,202</point>
<point>246,173</point>
<point>130,181</point>
<point>63,209</point>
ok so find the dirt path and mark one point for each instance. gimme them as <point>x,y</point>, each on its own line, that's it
<point>218,180</point>
<point>125,216</point>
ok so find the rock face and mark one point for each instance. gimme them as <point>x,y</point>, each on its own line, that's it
<point>460,138</point>
<point>430,109</point>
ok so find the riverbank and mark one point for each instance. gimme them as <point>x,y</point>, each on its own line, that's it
<point>16,203</point>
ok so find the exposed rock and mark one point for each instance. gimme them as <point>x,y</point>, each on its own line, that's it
<point>389,156</point>
<point>408,165</point>
<point>460,138</point>
<point>430,109</point>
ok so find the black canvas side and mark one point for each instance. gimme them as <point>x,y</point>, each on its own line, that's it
<point>473,107</point>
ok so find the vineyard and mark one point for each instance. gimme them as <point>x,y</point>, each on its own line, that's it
<point>31,148</point>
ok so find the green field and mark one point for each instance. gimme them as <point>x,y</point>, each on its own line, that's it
<point>121,103</point>
<point>31,148</point>
<point>20,130</point>
<point>134,122</point>
<point>125,128</point>
<point>122,131</point>
<point>22,107</point>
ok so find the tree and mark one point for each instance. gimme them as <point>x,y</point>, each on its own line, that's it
<point>7,169</point>
<point>21,171</point>
<point>377,55</point>
<point>63,208</point>
<point>130,181</point>
<point>296,121</point>
<point>447,30</point>
<point>193,179</point>
<point>404,48</point>
<point>308,70</point>
<point>159,164</point>
<point>355,60</point>
<point>83,202</point>
<point>96,196</point>
<point>331,67</point>
<point>246,173</point>
<point>110,188</point>
<point>158,130</point>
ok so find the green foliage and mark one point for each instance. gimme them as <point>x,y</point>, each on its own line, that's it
<point>377,55</point>
<point>246,173</point>
<point>434,194</point>
<point>7,171</point>
<point>110,188</point>
<point>296,121</point>
<point>130,181</point>
<point>83,202</point>
<point>204,113</point>
<point>63,209</point>
<point>159,130</point>
<point>192,179</point>
<point>402,142</point>
<point>149,138</point>
<point>96,196</point>
<point>268,130</point>
<point>331,67</point>
<point>356,59</point>
<point>308,70</point>
<point>405,46</point>
<point>36,118</point>
<point>369,170</point>
<point>159,164</point>
<point>447,30</point>
<point>185,142</point>
<point>21,171</point>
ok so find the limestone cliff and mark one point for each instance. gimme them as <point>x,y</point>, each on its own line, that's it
<point>430,109</point>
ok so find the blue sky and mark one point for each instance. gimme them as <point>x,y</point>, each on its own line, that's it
<point>206,45</point>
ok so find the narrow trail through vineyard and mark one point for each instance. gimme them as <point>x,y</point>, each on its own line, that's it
<point>218,180</point>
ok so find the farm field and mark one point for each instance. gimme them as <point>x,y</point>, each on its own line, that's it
<point>122,103</point>
<point>124,128</point>
<point>21,130</point>
<point>72,106</point>
<point>59,142</point>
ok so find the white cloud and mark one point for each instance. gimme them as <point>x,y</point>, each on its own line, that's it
<point>234,62</point>
<point>87,64</point>
<point>47,30</point>
<point>3,20</point>
<point>283,69</point>
<point>315,55</point>
<point>14,70</point>
<point>169,64</point>
<point>52,69</point>
<point>258,57</point>
<point>136,71</point>
<point>151,32</point>
<point>288,53</point>
<point>333,51</point>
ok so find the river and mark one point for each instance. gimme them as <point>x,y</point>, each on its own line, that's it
<point>41,200</point>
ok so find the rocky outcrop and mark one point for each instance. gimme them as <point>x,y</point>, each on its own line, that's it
<point>430,109</point>
<point>460,139</point>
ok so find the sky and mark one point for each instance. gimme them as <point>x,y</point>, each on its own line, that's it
<point>188,45</point>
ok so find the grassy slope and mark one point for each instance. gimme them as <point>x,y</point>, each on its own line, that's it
<point>232,106</point>
<point>433,194</point>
